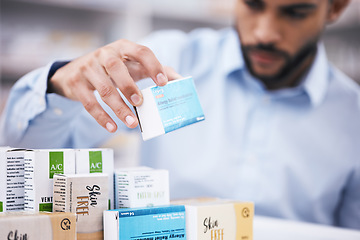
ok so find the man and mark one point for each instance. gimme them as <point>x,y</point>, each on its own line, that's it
<point>282,125</point>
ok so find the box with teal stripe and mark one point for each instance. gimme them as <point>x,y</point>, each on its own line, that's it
<point>150,223</point>
<point>169,107</point>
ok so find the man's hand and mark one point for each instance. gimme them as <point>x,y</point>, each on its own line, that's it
<point>117,65</point>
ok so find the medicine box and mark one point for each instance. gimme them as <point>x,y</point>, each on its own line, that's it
<point>3,178</point>
<point>141,187</point>
<point>152,223</point>
<point>168,108</point>
<point>87,196</point>
<point>23,225</point>
<point>40,167</point>
<point>97,160</point>
<point>218,219</point>
<point>11,179</point>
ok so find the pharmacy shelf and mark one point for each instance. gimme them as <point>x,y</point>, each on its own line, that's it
<point>106,6</point>
<point>108,20</point>
<point>36,32</point>
<point>349,19</point>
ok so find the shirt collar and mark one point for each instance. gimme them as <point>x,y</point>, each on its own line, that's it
<point>314,83</point>
<point>232,55</point>
<point>316,80</point>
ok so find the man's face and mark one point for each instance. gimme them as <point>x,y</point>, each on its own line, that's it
<point>278,37</point>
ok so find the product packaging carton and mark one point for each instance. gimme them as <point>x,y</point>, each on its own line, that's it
<point>141,187</point>
<point>3,174</point>
<point>87,196</point>
<point>97,160</point>
<point>11,179</point>
<point>40,167</point>
<point>153,223</point>
<point>40,226</point>
<point>217,219</point>
<point>168,108</point>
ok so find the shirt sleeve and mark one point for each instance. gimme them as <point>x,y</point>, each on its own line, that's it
<point>349,211</point>
<point>34,119</point>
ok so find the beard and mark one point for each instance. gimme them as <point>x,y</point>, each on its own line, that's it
<point>292,63</point>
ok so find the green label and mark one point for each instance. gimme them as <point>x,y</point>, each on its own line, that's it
<point>45,207</point>
<point>95,161</point>
<point>1,207</point>
<point>56,163</point>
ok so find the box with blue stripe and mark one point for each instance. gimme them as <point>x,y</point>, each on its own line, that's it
<point>151,223</point>
<point>169,107</point>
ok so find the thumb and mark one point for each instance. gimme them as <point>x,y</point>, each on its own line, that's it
<point>171,74</point>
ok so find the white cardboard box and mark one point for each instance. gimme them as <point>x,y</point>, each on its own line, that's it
<point>11,179</point>
<point>40,167</point>
<point>97,160</point>
<point>141,187</point>
<point>87,196</point>
<point>3,164</point>
<point>15,180</point>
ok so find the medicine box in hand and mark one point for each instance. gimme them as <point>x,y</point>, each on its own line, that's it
<point>168,108</point>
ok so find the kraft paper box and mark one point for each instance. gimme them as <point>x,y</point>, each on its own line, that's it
<point>40,167</point>
<point>97,160</point>
<point>11,179</point>
<point>87,196</point>
<point>154,223</point>
<point>168,108</point>
<point>218,219</point>
<point>141,187</point>
<point>40,226</point>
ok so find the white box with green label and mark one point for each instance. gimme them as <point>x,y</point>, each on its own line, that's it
<point>15,180</point>
<point>40,167</point>
<point>141,187</point>
<point>86,195</point>
<point>11,179</point>
<point>3,175</point>
<point>97,160</point>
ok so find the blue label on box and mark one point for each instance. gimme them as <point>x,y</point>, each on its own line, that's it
<point>178,104</point>
<point>152,223</point>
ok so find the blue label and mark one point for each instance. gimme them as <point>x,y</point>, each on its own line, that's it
<point>178,104</point>
<point>152,223</point>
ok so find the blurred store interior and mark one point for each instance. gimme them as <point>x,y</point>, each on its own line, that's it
<point>35,32</point>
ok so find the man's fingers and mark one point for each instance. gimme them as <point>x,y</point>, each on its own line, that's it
<point>109,94</point>
<point>91,105</point>
<point>171,74</point>
<point>136,70</point>
<point>132,51</point>
<point>119,74</point>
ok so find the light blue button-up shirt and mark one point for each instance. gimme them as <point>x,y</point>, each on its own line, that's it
<point>294,152</point>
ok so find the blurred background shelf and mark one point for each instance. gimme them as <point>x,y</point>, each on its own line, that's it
<point>35,32</point>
